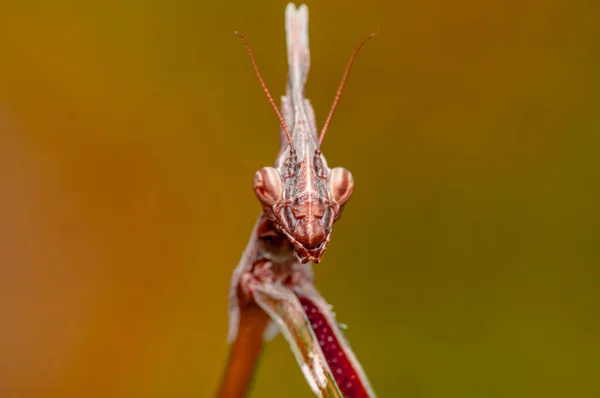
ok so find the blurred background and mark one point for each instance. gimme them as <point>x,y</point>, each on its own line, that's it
<point>466,264</point>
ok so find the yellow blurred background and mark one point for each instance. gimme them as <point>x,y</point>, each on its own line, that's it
<point>466,264</point>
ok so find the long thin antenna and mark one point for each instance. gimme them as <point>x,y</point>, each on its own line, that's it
<point>266,90</point>
<point>341,87</point>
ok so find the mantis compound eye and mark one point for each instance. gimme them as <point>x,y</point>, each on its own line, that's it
<point>268,186</point>
<point>341,185</point>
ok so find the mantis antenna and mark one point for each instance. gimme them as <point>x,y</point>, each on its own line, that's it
<point>266,90</point>
<point>338,94</point>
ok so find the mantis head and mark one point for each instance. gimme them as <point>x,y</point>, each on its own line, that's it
<point>303,197</point>
<point>304,206</point>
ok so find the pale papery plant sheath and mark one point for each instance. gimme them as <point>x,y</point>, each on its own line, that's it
<point>272,288</point>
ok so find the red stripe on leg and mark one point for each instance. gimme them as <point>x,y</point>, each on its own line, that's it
<point>345,375</point>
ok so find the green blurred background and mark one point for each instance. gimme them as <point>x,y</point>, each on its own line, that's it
<point>466,264</point>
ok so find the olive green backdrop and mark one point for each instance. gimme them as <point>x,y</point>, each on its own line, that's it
<point>466,264</point>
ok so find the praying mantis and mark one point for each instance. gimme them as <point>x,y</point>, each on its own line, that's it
<point>272,288</point>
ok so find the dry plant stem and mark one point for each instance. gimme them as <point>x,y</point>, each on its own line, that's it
<point>245,352</point>
<point>301,199</point>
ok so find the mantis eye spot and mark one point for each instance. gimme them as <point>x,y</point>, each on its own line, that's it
<point>268,186</point>
<point>341,185</point>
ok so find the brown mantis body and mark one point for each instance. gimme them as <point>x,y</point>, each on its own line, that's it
<point>272,287</point>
